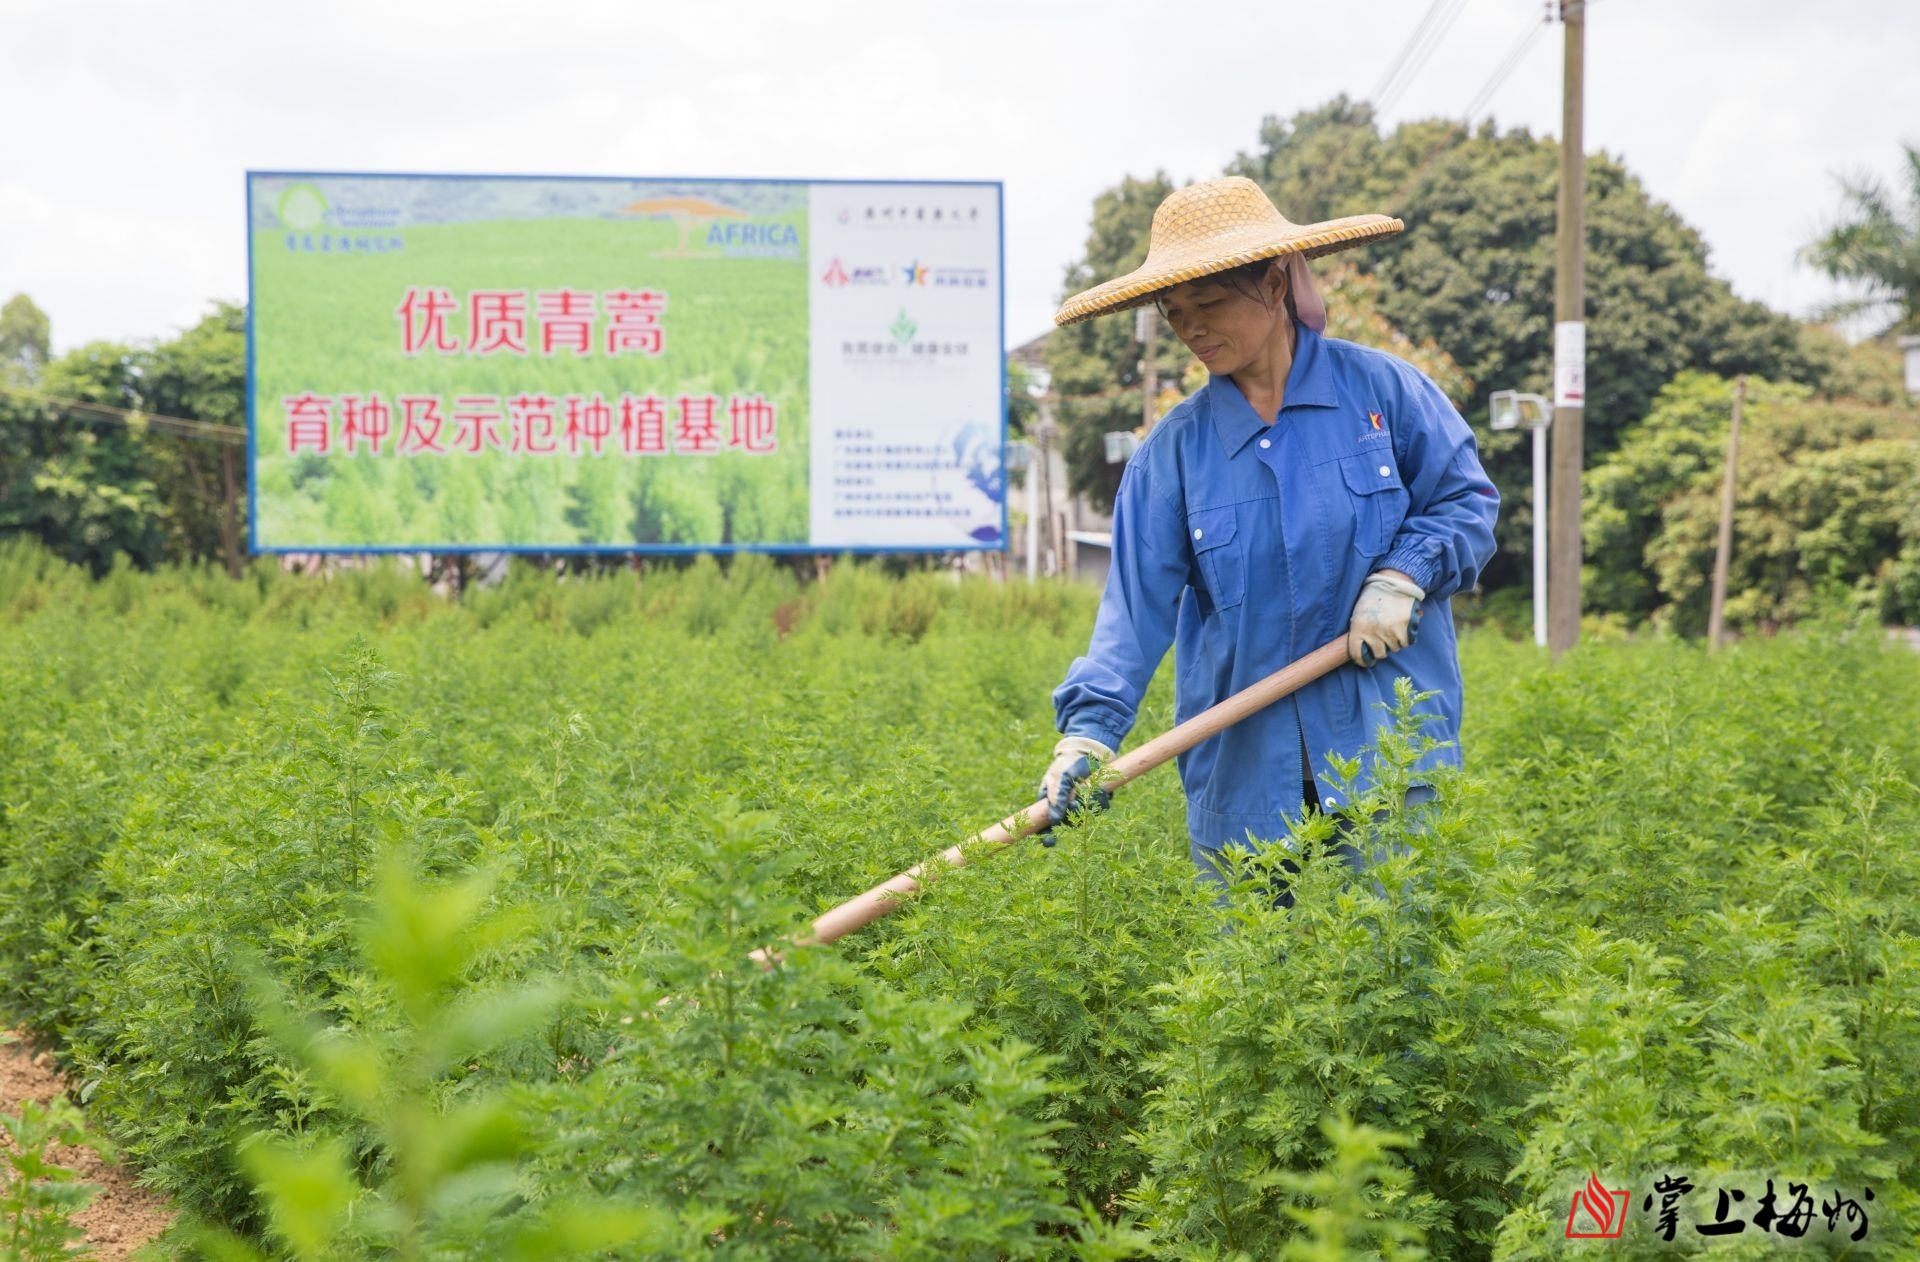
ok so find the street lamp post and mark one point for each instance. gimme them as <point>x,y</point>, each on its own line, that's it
<point>1510,409</point>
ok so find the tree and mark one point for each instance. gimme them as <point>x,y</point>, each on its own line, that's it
<point>95,486</point>
<point>26,341</point>
<point>201,375</point>
<point>1827,499</point>
<point>83,488</point>
<point>1094,366</point>
<point>1877,246</point>
<point>1022,408</point>
<point>1473,274</point>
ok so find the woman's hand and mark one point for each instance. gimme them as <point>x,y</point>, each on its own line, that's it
<point>1071,766</point>
<point>1386,618</point>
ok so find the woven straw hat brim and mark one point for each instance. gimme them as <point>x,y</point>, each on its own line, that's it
<point>1219,253</point>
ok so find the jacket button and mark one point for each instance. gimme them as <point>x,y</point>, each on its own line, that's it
<point>1266,442</point>
<point>1385,472</point>
<point>1197,532</point>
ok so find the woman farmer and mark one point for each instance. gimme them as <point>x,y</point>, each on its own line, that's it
<point>1312,488</point>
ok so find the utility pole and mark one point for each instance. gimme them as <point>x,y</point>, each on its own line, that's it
<point>1033,508</point>
<point>1143,329</point>
<point>1569,345</point>
<point>230,511</point>
<point>1045,432</point>
<point>1724,552</point>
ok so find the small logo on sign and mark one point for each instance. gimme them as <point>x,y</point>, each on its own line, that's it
<point>1597,1212</point>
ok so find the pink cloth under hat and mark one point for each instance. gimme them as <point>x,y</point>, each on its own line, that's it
<point>1307,303</point>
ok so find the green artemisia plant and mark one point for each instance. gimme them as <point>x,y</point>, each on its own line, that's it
<point>39,1196</point>
<point>1665,923</point>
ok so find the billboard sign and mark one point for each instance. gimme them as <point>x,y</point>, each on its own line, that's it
<point>587,364</point>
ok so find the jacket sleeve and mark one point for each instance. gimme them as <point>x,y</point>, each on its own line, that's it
<point>1100,696</point>
<point>1446,538</point>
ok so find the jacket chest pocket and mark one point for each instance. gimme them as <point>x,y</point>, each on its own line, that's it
<point>1220,557</point>
<point>1378,498</point>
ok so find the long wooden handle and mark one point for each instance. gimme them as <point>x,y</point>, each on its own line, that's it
<point>858,913</point>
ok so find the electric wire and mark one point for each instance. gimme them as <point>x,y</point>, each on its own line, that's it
<point>1508,64</point>
<point>1516,54</point>
<point>1421,55</point>
<point>180,426</point>
<point>1406,49</point>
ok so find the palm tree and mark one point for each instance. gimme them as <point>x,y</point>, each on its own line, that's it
<point>1877,246</point>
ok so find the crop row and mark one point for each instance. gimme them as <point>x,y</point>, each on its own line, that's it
<point>450,904</point>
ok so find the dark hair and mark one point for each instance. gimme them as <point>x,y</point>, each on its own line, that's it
<point>1245,279</point>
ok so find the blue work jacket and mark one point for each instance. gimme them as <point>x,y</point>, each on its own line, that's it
<point>1244,545</point>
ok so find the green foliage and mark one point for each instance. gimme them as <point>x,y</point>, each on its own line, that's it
<point>1472,278</point>
<point>38,1196</point>
<point>1095,365</point>
<point>807,1111</point>
<point>1665,925</point>
<point>1825,501</point>
<point>442,1155</point>
<point>1877,247</point>
<point>1474,269</point>
<point>26,340</point>
<point>1407,1002</point>
<point>201,375</point>
<point>1344,1194</point>
<point>101,489</point>
<point>84,490</point>
<point>1022,408</point>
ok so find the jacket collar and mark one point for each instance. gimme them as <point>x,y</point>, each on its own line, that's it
<point>1309,385</point>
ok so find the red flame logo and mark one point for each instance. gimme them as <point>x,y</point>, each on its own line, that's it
<point>1605,1209</point>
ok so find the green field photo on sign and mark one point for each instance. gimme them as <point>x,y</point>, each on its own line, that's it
<point>327,323</point>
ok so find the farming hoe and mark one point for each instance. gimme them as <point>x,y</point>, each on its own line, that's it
<point>858,913</point>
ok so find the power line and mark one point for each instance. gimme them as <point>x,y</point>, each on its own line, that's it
<point>1507,66</point>
<point>1406,49</point>
<point>1406,65</point>
<point>1421,55</point>
<point>178,425</point>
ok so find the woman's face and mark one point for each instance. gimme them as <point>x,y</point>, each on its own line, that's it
<point>1225,326</point>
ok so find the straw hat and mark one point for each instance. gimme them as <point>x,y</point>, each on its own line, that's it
<point>1214,226</point>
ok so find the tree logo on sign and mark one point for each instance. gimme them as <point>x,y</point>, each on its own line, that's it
<point>302,207</point>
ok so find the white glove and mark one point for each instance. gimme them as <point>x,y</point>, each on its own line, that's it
<point>1386,618</point>
<point>1072,763</point>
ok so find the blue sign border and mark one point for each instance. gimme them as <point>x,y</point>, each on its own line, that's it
<point>255,547</point>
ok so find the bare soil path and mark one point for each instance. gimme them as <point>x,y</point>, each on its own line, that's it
<point>123,1216</point>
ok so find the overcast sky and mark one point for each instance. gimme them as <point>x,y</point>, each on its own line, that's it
<point>129,124</point>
